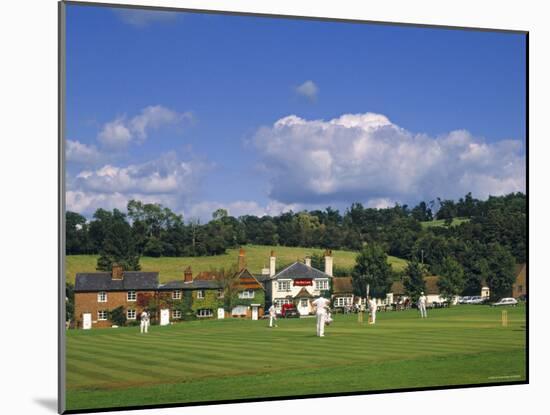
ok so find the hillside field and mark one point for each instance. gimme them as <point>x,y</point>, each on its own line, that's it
<point>257,257</point>
<point>243,359</point>
<point>441,222</point>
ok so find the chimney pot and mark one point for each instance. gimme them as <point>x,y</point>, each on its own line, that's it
<point>242,259</point>
<point>117,271</point>
<point>307,261</point>
<point>272,263</point>
<point>188,275</point>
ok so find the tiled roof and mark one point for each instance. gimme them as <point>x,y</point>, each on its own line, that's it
<point>300,270</point>
<point>303,293</point>
<point>247,281</point>
<point>195,285</point>
<point>342,285</point>
<point>398,288</point>
<point>102,281</point>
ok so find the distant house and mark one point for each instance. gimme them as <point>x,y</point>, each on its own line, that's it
<point>519,288</point>
<point>342,292</point>
<point>299,283</point>
<point>206,294</point>
<point>96,294</point>
<point>397,291</point>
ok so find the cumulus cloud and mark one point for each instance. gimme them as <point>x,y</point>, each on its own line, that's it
<point>166,180</point>
<point>367,158</point>
<point>204,210</point>
<point>77,152</point>
<point>308,90</point>
<point>122,130</point>
<point>142,18</point>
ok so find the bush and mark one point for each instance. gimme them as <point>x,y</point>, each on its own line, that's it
<point>118,316</point>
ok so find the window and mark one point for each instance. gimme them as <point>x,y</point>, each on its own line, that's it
<point>246,294</point>
<point>303,302</point>
<point>102,315</point>
<point>176,295</point>
<point>239,310</point>
<point>283,285</point>
<point>102,297</point>
<point>131,314</point>
<point>342,301</point>
<point>206,312</point>
<point>131,296</point>
<point>220,292</point>
<point>321,285</point>
<point>200,294</point>
<point>280,301</point>
<point>176,314</point>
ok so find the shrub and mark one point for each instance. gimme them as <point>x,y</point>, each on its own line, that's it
<point>118,316</point>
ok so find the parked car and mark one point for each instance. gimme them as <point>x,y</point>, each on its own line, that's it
<point>505,301</point>
<point>289,311</point>
<point>476,300</point>
<point>464,300</point>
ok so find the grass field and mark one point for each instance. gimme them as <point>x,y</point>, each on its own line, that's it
<point>441,222</point>
<point>257,258</point>
<point>241,359</point>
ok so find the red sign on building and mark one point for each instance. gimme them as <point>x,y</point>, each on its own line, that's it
<point>302,282</point>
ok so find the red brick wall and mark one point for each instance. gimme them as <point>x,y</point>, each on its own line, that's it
<point>87,303</point>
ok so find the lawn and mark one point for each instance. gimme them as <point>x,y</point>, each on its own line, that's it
<point>243,359</point>
<point>441,222</point>
<point>257,258</point>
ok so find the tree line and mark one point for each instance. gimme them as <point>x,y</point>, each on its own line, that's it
<point>493,234</point>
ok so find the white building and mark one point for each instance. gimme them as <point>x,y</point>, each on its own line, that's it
<point>299,283</point>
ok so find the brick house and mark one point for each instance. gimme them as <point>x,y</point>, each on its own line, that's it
<point>98,293</point>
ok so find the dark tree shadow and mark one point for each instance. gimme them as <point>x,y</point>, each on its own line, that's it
<point>48,403</point>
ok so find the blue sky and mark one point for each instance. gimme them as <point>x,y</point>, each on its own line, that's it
<point>262,115</point>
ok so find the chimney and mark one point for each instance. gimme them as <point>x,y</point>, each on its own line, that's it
<point>241,264</point>
<point>188,275</point>
<point>272,261</point>
<point>117,271</point>
<point>307,260</point>
<point>328,262</point>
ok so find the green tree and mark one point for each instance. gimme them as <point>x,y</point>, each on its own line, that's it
<point>501,265</point>
<point>451,278</point>
<point>372,268</point>
<point>414,279</point>
<point>118,246</point>
<point>69,301</point>
<point>118,316</point>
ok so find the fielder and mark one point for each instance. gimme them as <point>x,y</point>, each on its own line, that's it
<point>321,305</point>
<point>422,305</point>
<point>372,310</point>
<point>144,326</point>
<point>272,316</point>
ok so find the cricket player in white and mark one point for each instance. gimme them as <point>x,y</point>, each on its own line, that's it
<point>321,305</point>
<point>422,305</point>
<point>144,326</point>
<point>272,316</point>
<point>372,311</point>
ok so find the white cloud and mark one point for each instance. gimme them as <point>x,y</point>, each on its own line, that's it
<point>308,89</point>
<point>367,158</point>
<point>143,18</point>
<point>77,152</point>
<point>121,131</point>
<point>204,210</point>
<point>166,180</point>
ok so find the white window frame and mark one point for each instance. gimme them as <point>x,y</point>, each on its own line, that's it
<point>131,296</point>
<point>99,314</point>
<point>321,285</point>
<point>283,285</point>
<point>176,295</point>
<point>302,301</point>
<point>129,312</point>
<point>176,314</point>
<point>240,307</point>
<point>246,294</point>
<point>102,297</point>
<point>280,301</point>
<point>200,294</point>
<point>221,294</point>
<point>204,312</point>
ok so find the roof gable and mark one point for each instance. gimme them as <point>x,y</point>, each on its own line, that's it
<point>300,270</point>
